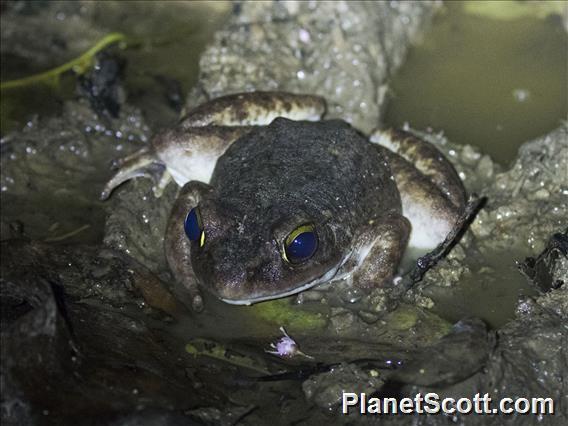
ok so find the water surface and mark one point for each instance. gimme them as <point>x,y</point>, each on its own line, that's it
<point>492,83</point>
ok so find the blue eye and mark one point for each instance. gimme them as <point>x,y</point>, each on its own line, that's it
<point>301,244</point>
<point>193,227</point>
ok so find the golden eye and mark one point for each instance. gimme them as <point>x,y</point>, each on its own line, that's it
<point>301,244</point>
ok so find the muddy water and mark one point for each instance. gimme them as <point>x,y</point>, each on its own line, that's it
<point>492,83</point>
<point>491,293</point>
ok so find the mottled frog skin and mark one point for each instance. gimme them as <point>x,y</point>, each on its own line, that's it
<point>275,201</point>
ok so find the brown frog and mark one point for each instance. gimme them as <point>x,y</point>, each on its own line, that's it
<point>275,201</point>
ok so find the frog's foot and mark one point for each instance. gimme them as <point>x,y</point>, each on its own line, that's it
<point>432,194</point>
<point>379,251</point>
<point>142,163</point>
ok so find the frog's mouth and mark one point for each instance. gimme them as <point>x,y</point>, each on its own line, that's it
<point>328,276</point>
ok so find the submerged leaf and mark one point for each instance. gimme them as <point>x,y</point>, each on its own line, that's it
<point>211,349</point>
<point>281,312</point>
<point>78,65</point>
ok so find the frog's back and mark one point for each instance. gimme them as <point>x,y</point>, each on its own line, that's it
<point>326,167</point>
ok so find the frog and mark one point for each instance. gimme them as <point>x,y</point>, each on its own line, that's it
<point>275,200</point>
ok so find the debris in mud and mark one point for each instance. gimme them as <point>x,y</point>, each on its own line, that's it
<point>286,347</point>
<point>102,85</point>
<point>542,270</point>
<point>455,357</point>
<point>326,389</point>
<point>79,333</point>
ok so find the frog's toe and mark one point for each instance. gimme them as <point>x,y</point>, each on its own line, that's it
<point>379,251</point>
<point>161,184</point>
<point>141,164</point>
<point>197,303</point>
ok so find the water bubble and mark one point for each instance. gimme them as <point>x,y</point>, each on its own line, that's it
<point>521,95</point>
<point>304,36</point>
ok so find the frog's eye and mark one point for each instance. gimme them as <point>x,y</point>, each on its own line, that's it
<point>301,244</point>
<point>194,228</point>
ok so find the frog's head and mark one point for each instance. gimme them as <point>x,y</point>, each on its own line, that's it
<point>244,259</point>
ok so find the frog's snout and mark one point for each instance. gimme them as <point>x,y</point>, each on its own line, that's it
<point>244,282</point>
<point>229,281</point>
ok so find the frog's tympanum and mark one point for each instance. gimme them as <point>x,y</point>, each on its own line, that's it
<point>275,201</point>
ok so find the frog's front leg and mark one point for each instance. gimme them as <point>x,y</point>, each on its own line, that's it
<point>178,247</point>
<point>379,250</point>
<point>142,163</point>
